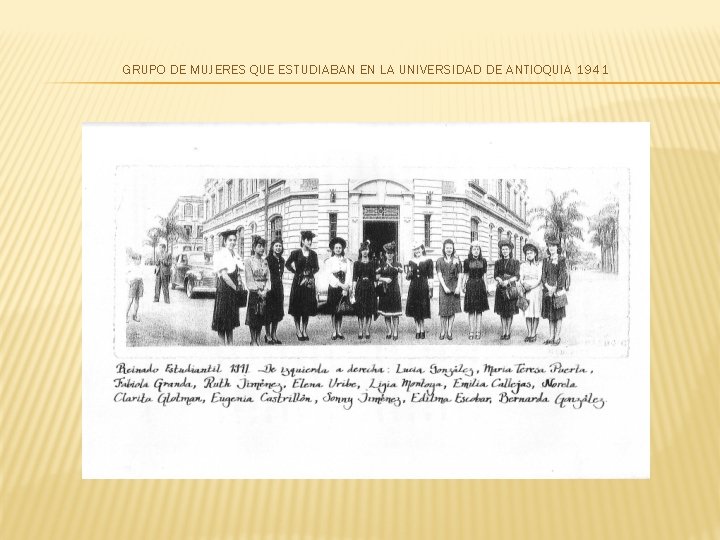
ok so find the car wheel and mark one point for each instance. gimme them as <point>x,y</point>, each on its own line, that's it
<point>190,288</point>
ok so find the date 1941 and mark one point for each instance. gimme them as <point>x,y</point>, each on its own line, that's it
<point>587,69</point>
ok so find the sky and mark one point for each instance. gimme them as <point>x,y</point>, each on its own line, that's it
<point>147,192</point>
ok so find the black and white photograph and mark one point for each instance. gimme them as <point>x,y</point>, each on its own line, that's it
<point>398,282</point>
<point>407,255</point>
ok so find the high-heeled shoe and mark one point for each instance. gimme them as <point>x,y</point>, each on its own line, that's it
<point>334,337</point>
<point>442,336</point>
<point>477,335</point>
<point>449,336</point>
<point>417,335</point>
<point>471,335</point>
<point>395,337</point>
<point>360,336</point>
<point>422,335</point>
<point>299,337</point>
<point>367,336</point>
<point>388,336</point>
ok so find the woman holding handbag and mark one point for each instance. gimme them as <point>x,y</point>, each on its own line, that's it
<point>225,311</point>
<point>304,264</point>
<point>448,272</point>
<point>364,292</point>
<point>257,277</point>
<point>507,274</point>
<point>339,270</point>
<point>530,280</point>
<point>554,279</point>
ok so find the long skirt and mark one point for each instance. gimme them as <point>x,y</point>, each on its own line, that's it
<point>549,312</point>
<point>418,299</point>
<point>390,303</point>
<point>255,315</point>
<point>226,314</point>
<point>274,303</point>
<point>303,300</point>
<point>449,304</point>
<point>476,298</point>
<point>365,298</point>
<point>504,307</point>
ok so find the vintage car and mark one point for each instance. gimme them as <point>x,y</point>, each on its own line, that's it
<point>193,271</point>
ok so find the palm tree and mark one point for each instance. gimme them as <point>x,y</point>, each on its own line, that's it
<point>604,229</point>
<point>171,231</point>
<point>153,239</point>
<point>560,217</point>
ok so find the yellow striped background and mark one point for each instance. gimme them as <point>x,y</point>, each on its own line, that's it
<point>43,495</point>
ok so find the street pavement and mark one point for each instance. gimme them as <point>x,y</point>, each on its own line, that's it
<point>597,315</point>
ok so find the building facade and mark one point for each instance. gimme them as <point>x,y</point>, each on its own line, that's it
<point>379,210</point>
<point>189,213</point>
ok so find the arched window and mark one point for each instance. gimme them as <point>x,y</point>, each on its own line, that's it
<point>188,210</point>
<point>200,210</point>
<point>474,229</point>
<point>276,228</point>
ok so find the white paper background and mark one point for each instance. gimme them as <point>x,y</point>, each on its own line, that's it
<point>422,441</point>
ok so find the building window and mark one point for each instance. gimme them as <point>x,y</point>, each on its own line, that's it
<point>214,205</point>
<point>474,229</point>
<point>427,230</point>
<point>332,224</point>
<point>507,195</point>
<point>189,210</point>
<point>499,190</point>
<point>200,211</point>
<point>199,231</point>
<point>241,242</point>
<point>276,228</point>
<point>229,193</point>
<point>241,189</point>
<point>188,231</point>
<point>221,201</point>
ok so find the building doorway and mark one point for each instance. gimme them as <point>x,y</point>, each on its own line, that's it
<point>380,233</point>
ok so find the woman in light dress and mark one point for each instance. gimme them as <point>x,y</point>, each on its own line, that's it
<point>257,278</point>
<point>530,280</point>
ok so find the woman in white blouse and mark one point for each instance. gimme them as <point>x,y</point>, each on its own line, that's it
<point>340,275</point>
<point>225,313</point>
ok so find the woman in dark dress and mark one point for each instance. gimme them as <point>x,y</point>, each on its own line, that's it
<point>449,273</point>
<point>390,301</point>
<point>364,292</point>
<point>420,274</point>
<point>507,274</point>
<point>257,279</point>
<point>276,295</point>
<point>304,264</point>
<point>339,271</point>
<point>554,279</point>
<point>225,311</point>
<point>476,298</point>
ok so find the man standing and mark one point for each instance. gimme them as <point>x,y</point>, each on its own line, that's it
<point>163,268</point>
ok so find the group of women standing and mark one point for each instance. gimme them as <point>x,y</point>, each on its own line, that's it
<point>368,288</point>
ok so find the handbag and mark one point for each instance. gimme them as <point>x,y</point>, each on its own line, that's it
<point>559,301</point>
<point>260,307</point>
<point>344,307</point>
<point>522,303</point>
<point>308,282</point>
<point>511,292</point>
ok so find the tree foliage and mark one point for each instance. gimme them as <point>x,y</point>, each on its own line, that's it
<point>604,228</point>
<point>561,217</point>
